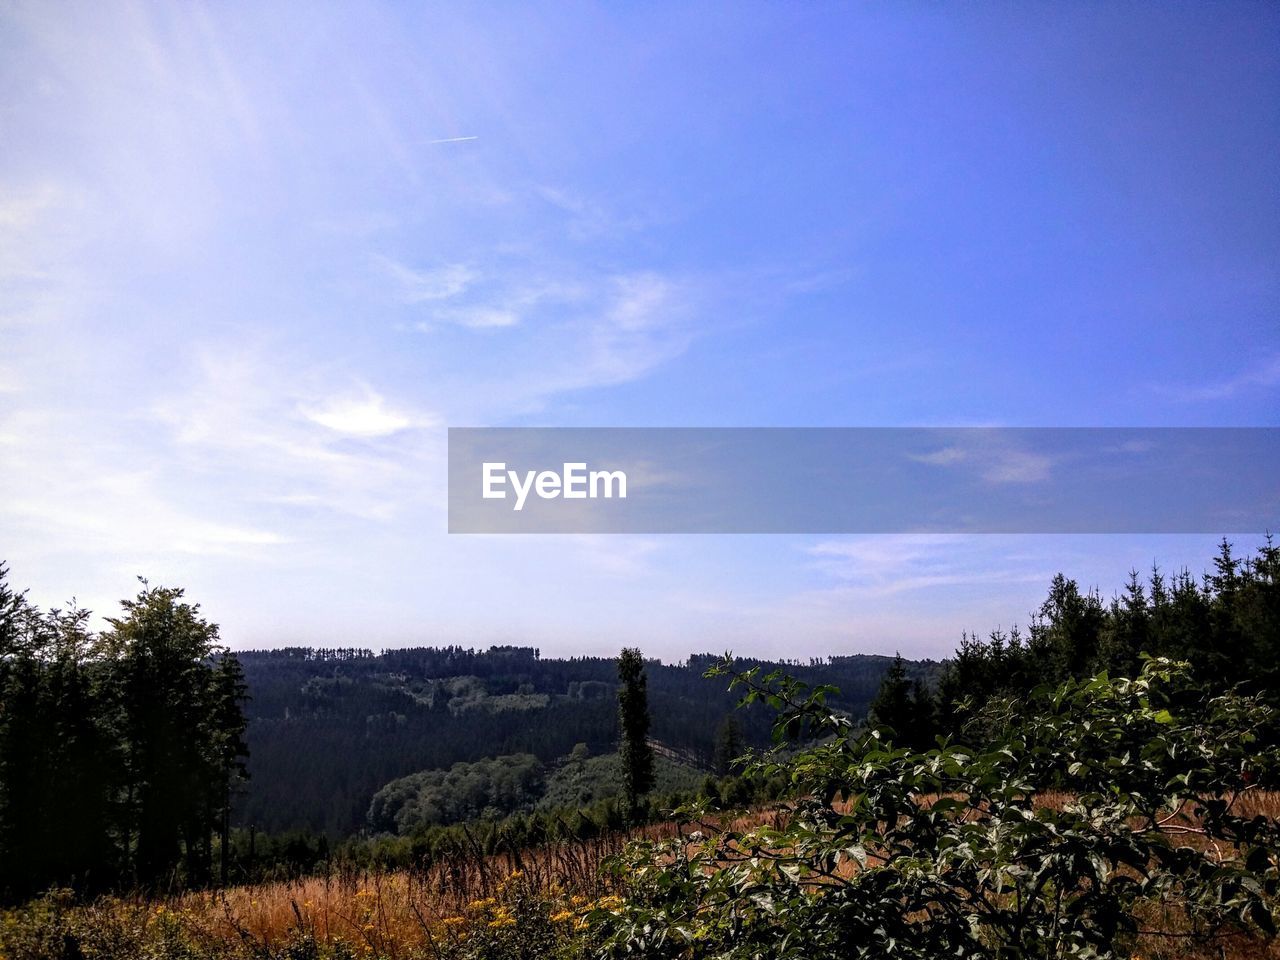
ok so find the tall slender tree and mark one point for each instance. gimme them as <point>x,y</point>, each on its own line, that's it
<point>633,721</point>
<point>730,745</point>
<point>230,749</point>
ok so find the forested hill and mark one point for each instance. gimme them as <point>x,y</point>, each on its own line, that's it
<point>328,728</point>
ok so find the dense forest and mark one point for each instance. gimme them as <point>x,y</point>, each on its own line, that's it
<point>329,728</point>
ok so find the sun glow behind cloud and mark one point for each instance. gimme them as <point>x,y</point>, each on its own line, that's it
<point>366,416</point>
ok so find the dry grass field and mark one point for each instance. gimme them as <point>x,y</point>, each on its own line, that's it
<point>468,906</point>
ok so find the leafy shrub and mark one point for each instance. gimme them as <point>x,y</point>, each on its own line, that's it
<point>965,852</point>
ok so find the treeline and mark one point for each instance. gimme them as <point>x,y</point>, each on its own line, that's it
<point>1225,624</point>
<point>119,750</point>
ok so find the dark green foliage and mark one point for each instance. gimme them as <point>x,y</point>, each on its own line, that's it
<point>229,750</point>
<point>903,708</point>
<point>889,852</point>
<point>1227,626</point>
<point>119,753</point>
<point>633,721</point>
<point>501,787</point>
<point>59,762</point>
<point>485,789</point>
<point>585,781</point>
<point>171,687</point>
<point>730,745</point>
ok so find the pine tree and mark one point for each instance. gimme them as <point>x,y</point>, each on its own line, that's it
<point>83,762</point>
<point>891,707</point>
<point>906,707</point>
<point>924,721</point>
<point>229,747</point>
<point>633,720</point>
<point>1127,632</point>
<point>730,745</point>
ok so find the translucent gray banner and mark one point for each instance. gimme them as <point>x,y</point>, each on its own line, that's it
<point>864,480</point>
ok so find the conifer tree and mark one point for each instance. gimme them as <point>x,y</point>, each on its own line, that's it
<point>730,744</point>
<point>633,721</point>
<point>892,705</point>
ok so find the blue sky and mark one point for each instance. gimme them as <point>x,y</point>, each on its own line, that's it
<point>254,261</point>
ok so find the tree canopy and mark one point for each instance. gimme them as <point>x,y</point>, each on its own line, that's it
<point>119,751</point>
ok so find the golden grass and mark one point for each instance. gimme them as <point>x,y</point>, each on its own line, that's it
<point>391,913</point>
<point>403,914</point>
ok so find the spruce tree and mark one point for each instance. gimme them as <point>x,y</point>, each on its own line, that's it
<point>729,745</point>
<point>892,707</point>
<point>633,721</point>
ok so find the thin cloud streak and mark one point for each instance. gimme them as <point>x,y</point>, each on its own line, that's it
<point>1263,376</point>
<point>886,565</point>
<point>993,457</point>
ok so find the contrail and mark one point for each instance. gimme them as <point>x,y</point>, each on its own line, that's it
<point>453,140</point>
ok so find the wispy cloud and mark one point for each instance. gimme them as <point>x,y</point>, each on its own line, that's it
<point>1019,466</point>
<point>96,492</point>
<point>634,324</point>
<point>821,281</point>
<point>1262,376</point>
<point>617,556</point>
<point>518,292</point>
<point>941,458</point>
<point>993,456</point>
<point>474,317</point>
<point>587,218</point>
<point>884,565</point>
<point>426,285</point>
<point>286,436</point>
<point>561,332</point>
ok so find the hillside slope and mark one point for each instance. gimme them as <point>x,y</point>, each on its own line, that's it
<point>329,728</point>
